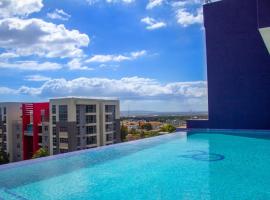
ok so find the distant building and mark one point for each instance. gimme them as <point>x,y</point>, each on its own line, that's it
<point>238,65</point>
<point>78,123</point>
<point>11,130</point>
<point>61,125</point>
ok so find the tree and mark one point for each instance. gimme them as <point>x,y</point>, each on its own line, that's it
<point>42,152</point>
<point>168,128</point>
<point>147,126</point>
<point>124,132</point>
<point>4,157</point>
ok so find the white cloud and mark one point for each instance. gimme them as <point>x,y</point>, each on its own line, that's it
<point>116,58</point>
<point>8,55</point>
<point>134,92</point>
<point>184,3</point>
<point>92,2</point>
<point>126,88</point>
<point>188,12</point>
<point>22,8</point>
<point>26,37</point>
<point>120,1</point>
<point>153,24</point>
<point>6,90</point>
<point>186,18</point>
<point>37,78</point>
<point>30,65</point>
<point>154,3</point>
<point>59,14</point>
<point>76,64</point>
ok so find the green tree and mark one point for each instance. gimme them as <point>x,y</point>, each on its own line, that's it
<point>42,152</point>
<point>4,157</point>
<point>147,126</point>
<point>168,128</point>
<point>124,132</point>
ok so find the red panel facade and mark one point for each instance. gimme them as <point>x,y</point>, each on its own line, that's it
<point>33,114</point>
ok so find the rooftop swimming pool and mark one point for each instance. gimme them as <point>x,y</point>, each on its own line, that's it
<point>185,165</point>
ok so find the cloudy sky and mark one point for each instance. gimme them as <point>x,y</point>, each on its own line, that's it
<point>148,53</point>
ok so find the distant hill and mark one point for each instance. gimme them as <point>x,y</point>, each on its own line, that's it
<point>153,113</point>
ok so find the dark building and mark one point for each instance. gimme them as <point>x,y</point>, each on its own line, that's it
<point>238,64</point>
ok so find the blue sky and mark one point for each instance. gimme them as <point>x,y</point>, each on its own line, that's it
<point>148,53</point>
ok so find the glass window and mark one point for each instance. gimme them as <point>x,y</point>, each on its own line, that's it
<point>54,130</point>
<point>39,139</point>
<point>91,140</point>
<point>110,108</point>
<point>54,141</point>
<point>90,119</point>
<point>53,109</point>
<point>5,110</point>
<point>109,118</point>
<point>109,127</point>
<point>63,140</point>
<point>90,108</point>
<point>54,119</point>
<point>63,129</point>
<point>109,137</point>
<point>63,150</point>
<point>91,129</point>
<point>63,113</point>
<point>79,141</point>
<point>40,129</point>
<point>78,130</point>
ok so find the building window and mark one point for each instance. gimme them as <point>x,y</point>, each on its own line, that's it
<point>39,129</point>
<point>63,140</point>
<point>5,110</point>
<point>54,119</point>
<point>109,118</point>
<point>109,127</point>
<point>39,139</point>
<point>63,150</point>
<point>54,141</point>
<point>18,146</point>
<point>46,128</point>
<point>63,113</point>
<point>90,119</point>
<point>91,129</point>
<point>54,130</point>
<point>77,119</point>
<point>109,137</point>
<point>90,108</point>
<point>78,108</point>
<point>78,141</point>
<point>53,109</point>
<point>91,140</point>
<point>109,108</point>
<point>78,130</point>
<point>63,129</point>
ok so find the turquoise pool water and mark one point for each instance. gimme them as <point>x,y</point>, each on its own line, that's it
<point>194,166</point>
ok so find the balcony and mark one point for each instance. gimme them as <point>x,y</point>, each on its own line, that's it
<point>29,130</point>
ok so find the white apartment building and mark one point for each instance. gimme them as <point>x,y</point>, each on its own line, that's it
<point>81,123</point>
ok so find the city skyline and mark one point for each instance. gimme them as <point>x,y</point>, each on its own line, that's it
<point>149,54</point>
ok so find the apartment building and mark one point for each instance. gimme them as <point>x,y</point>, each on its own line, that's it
<point>35,125</point>
<point>81,123</point>
<point>11,130</point>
